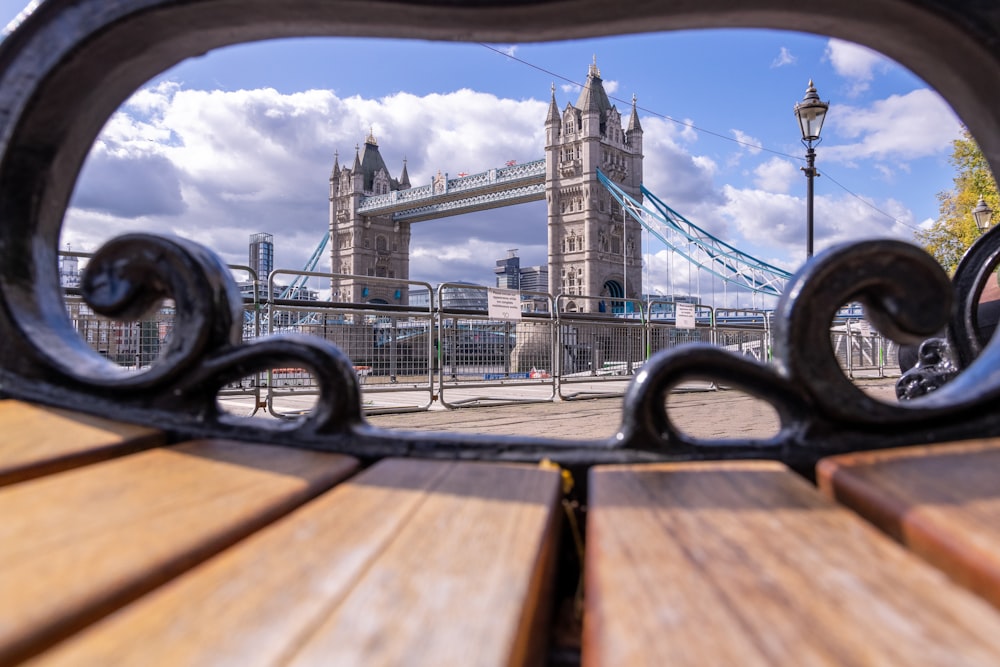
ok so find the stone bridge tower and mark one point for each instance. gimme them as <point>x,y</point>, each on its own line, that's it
<point>367,246</point>
<point>592,250</point>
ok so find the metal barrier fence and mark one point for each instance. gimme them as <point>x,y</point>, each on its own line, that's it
<point>484,359</point>
<point>598,352</point>
<point>392,346</point>
<point>863,352</point>
<point>442,347</point>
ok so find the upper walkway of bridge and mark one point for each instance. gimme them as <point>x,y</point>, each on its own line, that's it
<point>502,186</point>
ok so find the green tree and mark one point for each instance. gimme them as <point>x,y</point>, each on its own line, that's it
<point>955,230</point>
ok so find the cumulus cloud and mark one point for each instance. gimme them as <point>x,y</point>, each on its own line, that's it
<point>751,144</point>
<point>218,166</point>
<point>900,127</point>
<point>783,58</point>
<point>775,175</point>
<point>856,63</point>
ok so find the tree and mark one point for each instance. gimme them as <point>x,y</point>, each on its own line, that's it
<point>955,230</point>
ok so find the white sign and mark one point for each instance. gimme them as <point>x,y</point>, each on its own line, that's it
<point>504,304</point>
<point>685,316</point>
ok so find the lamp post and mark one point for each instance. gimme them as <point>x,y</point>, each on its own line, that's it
<point>983,215</point>
<point>811,113</point>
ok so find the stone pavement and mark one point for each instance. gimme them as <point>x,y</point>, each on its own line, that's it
<point>706,414</point>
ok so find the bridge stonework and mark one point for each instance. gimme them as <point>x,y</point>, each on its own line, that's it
<point>367,245</point>
<point>594,249</point>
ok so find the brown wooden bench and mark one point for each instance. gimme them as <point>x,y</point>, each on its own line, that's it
<point>941,501</point>
<point>217,551</point>
<point>207,552</point>
<point>746,563</point>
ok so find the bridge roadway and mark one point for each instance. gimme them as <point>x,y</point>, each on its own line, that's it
<point>696,412</point>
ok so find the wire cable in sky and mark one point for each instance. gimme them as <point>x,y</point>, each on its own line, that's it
<point>688,124</point>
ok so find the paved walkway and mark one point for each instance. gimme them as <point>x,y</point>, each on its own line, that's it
<point>709,414</point>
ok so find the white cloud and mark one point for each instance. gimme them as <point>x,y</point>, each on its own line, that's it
<point>775,175</point>
<point>571,88</point>
<point>783,58</point>
<point>218,166</point>
<point>750,144</point>
<point>611,87</point>
<point>777,220</point>
<point>900,127</point>
<point>856,63</point>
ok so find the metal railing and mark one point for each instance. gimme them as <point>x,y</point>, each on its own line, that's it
<point>448,351</point>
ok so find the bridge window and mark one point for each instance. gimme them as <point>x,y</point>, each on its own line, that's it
<point>381,244</point>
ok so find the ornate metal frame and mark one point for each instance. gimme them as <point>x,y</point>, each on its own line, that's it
<point>72,62</point>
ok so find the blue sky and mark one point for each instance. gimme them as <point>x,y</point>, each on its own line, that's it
<point>242,141</point>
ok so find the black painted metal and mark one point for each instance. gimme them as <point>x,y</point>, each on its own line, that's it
<point>72,62</point>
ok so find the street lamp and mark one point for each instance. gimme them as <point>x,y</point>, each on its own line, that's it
<point>811,113</point>
<point>983,215</point>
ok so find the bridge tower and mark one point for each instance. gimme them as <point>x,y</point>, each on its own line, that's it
<point>593,248</point>
<point>367,246</point>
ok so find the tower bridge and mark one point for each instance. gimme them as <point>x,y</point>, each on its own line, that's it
<point>591,180</point>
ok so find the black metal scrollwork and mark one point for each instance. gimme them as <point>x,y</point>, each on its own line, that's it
<point>73,62</point>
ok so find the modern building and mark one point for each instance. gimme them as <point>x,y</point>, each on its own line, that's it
<point>262,255</point>
<point>534,278</point>
<point>261,260</point>
<point>461,296</point>
<point>508,271</point>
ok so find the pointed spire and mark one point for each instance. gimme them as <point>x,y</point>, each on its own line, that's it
<point>633,123</point>
<point>357,158</point>
<point>553,115</point>
<point>593,97</point>
<point>593,71</point>
<point>404,178</point>
<point>370,139</point>
<point>336,165</point>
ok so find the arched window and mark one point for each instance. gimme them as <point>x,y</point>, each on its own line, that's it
<point>381,244</point>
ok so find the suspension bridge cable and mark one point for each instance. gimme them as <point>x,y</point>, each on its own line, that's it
<point>692,126</point>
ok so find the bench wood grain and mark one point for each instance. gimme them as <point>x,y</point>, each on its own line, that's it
<point>78,544</point>
<point>941,501</point>
<point>37,441</point>
<point>745,563</point>
<point>411,562</point>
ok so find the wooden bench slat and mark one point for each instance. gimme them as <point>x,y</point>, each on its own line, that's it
<point>38,441</point>
<point>941,501</point>
<point>745,563</point>
<point>78,544</point>
<point>410,562</point>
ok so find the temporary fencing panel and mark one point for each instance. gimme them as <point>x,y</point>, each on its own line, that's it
<point>664,334</point>
<point>601,343</point>
<point>744,332</point>
<point>390,345</point>
<point>483,359</point>
<point>862,351</point>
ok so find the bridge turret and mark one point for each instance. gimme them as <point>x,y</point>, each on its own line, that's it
<point>593,250</point>
<point>404,178</point>
<point>553,121</point>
